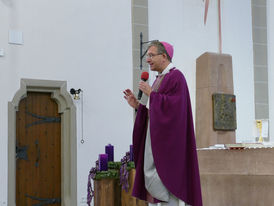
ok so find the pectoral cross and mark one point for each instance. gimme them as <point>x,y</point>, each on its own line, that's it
<point>219,21</point>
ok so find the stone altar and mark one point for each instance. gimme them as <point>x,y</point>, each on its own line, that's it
<point>242,177</point>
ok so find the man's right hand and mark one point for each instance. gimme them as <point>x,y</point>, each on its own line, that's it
<point>131,99</point>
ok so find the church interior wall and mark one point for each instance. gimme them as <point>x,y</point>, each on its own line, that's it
<point>259,21</point>
<point>270,35</point>
<point>89,45</point>
<point>81,43</point>
<point>192,38</point>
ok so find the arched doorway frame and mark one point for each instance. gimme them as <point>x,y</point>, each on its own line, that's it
<point>67,109</point>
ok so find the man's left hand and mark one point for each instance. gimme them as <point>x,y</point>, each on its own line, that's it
<point>144,87</point>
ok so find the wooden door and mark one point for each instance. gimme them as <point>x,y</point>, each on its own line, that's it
<point>38,151</point>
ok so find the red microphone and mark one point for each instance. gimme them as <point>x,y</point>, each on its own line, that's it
<point>144,77</point>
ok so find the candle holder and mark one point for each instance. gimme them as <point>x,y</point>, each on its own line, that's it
<point>127,177</point>
<point>107,191</point>
<point>259,125</point>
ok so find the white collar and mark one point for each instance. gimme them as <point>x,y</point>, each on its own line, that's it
<point>167,69</point>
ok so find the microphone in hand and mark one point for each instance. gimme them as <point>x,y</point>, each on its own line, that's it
<point>144,77</point>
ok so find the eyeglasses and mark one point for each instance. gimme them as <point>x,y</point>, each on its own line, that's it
<point>150,56</point>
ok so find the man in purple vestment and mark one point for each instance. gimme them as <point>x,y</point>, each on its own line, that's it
<point>164,145</point>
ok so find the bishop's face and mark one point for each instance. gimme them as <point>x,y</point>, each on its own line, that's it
<point>154,59</point>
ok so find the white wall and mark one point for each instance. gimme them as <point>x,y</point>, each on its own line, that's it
<point>180,22</point>
<point>89,45</point>
<point>270,37</point>
<point>237,38</point>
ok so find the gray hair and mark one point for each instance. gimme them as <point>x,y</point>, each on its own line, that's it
<point>160,47</point>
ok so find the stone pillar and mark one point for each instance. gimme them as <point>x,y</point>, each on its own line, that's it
<point>213,75</point>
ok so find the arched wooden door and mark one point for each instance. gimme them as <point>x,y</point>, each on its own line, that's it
<point>38,151</point>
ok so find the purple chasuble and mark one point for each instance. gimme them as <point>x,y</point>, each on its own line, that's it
<point>172,141</point>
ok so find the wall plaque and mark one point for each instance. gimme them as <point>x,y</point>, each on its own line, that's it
<point>224,112</point>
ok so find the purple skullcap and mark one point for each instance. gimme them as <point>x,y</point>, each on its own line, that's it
<point>169,49</point>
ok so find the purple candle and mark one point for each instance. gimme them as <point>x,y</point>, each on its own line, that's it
<point>131,157</point>
<point>109,149</point>
<point>103,162</point>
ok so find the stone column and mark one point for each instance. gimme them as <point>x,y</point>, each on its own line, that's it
<point>213,75</point>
